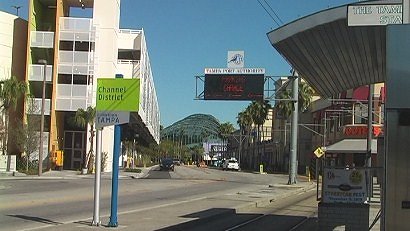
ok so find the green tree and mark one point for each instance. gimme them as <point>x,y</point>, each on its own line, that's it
<point>259,112</point>
<point>25,135</point>
<point>83,118</point>
<point>305,99</point>
<point>244,120</point>
<point>225,129</point>
<point>10,92</point>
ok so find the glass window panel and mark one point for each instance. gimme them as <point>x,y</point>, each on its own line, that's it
<point>68,140</point>
<point>66,45</point>
<point>82,46</point>
<point>77,154</point>
<point>64,78</point>
<point>78,140</point>
<point>79,80</point>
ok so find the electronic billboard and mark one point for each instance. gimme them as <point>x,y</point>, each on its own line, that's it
<point>231,84</point>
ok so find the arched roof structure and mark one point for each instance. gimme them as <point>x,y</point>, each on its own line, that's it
<point>331,56</point>
<point>193,129</point>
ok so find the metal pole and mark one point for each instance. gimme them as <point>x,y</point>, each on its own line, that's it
<point>369,139</point>
<point>115,168</point>
<point>97,180</point>
<point>40,151</point>
<point>294,130</point>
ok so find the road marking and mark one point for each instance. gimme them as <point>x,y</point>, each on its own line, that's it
<point>119,213</point>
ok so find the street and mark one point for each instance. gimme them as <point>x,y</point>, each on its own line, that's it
<point>184,197</point>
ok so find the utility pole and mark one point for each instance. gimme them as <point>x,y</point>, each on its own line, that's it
<point>294,130</point>
<point>43,99</point>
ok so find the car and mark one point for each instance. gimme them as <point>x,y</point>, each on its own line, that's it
<point>166,164</point>
<point>231,164</point>
<point>177,162</point>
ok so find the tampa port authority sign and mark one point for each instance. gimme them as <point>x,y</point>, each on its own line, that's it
<point>116,98</point>
<point>344,186</point>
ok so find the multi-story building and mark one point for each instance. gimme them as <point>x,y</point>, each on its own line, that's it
<point>13,41</point>
<point>77,51</point>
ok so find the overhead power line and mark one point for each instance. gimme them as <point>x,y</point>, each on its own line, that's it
<point>270,15</point>
<point>277,16</point>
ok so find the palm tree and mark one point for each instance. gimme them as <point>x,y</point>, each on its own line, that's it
<point>10,91</point>
<point>225,129</point>
<point>259,111</point>
<point>83,118</point>
<point>245,125</point>
<point>305,98</point>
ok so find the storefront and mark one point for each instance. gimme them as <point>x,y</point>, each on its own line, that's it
<point>352,149</point>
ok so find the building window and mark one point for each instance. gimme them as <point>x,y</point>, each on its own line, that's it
<point>64,79</point>
<point>80,79</point>
<point>66,45</point>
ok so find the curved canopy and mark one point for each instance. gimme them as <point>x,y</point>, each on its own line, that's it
<point>331,56</point>
<point>193,129</point>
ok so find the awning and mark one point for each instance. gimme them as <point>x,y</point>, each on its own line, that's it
<point>351,146</point>
<point>331,56</point>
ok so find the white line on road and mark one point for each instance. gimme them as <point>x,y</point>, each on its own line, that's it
<point>120,213</point>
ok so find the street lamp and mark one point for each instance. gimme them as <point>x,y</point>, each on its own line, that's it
<point>40,152</point>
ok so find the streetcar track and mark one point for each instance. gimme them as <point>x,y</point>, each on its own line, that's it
<point>271,212</point>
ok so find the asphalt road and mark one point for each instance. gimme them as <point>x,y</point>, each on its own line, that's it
<point>188,194</point>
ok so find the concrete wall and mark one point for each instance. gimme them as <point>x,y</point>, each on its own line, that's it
<point>396,196</point>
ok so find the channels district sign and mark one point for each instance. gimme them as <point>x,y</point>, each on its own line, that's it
<point>116,98</point>
<point>118,94</point>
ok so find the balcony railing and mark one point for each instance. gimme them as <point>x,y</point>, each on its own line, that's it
<point>79,57</point>
<point>76,24</point>
<point>35,108</point>
<point>42,39</point>
<point>37,72</point>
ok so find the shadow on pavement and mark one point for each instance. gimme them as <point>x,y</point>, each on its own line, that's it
<point>216,219</point>
<point>36,219</point>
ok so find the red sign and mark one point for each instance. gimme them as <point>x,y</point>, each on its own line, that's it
<point>360,131</point>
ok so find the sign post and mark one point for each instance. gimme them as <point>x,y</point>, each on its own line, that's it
<point>116,98</point>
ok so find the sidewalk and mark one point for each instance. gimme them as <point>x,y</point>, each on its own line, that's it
<point>70,174</point>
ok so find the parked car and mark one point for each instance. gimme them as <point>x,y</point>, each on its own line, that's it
<point>177,162</point>
<point>231,164</point>
<point>166,164</point>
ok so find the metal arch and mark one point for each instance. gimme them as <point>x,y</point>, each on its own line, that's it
<point>195,124</point>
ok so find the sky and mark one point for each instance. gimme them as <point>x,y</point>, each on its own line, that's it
<point>186,36</point>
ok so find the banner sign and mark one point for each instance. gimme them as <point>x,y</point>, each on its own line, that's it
<point>374,15</point>
<point>344,186</point>
<point>234,71</point>
<point>116,98</point>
